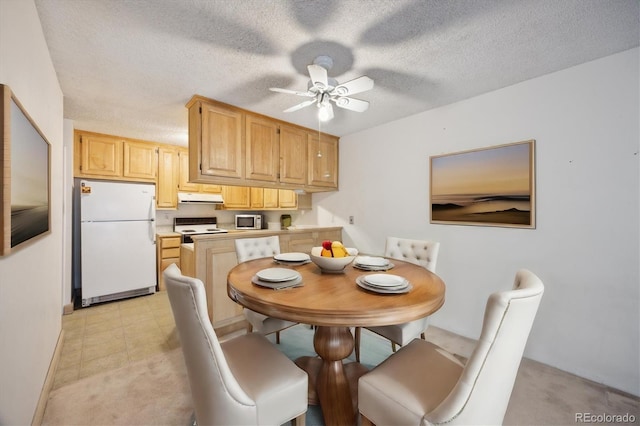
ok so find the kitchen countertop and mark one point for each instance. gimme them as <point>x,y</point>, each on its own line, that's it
<point>166,233</point>
<point>233,233</point>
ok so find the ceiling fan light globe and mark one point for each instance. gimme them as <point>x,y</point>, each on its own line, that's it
<point>323,113</point>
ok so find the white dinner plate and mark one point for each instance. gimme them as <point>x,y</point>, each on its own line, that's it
<point>292,257</point>
<point>277,274</point>
<point>371,261</point>
<point>277,285</point>
<point>373,268</point>
<point>384,280</point>
<point>393,290</point>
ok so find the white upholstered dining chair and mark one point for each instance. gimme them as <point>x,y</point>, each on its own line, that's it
<point>256,248</point>
<point>243,381</point>
<point>422,384</point>
<point>423,253</point>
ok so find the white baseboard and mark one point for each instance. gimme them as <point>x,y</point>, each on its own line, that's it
<point>48,382</point>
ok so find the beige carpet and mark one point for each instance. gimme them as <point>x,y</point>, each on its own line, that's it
<point>155,391</point>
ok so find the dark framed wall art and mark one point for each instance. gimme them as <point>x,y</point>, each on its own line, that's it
<point>492,186</point>
<point>25,179</point>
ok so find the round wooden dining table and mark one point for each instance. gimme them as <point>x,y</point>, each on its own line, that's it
<point>333,302</point>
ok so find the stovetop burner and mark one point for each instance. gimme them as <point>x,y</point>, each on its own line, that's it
<point>196,225</point>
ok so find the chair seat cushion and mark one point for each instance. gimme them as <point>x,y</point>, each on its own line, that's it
<point>280,391</point>
<point>409,384</point>
<point>402,334</point>
<point>266,325</point>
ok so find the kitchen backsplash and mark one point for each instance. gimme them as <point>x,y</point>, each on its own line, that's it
<point>164,218</point>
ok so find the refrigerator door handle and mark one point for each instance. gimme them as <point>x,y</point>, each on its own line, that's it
<point>152,230</point>
<point>152,208</point>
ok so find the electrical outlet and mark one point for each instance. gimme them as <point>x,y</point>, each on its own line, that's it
<point>350,220</point>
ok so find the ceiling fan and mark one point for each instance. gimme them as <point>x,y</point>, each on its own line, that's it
<point>323,90</point>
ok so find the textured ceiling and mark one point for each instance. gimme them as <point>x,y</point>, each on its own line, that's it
<point>129,67</point>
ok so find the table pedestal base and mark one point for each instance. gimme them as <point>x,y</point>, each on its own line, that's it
<point>332,384</point>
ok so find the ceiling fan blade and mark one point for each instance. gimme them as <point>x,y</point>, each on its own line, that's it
<point>357,85</point>
<point>300,105</point>
<point>291,92</point>
<point>352,104</point>
<point>318,76</point>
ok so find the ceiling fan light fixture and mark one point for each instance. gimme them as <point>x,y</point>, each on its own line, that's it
<point>326,91</point>
<point>323,113</point>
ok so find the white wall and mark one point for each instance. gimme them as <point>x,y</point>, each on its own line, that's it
<point>585,248</point>
<point>31,278</point>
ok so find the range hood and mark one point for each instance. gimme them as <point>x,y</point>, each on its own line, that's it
<point>198,198</point>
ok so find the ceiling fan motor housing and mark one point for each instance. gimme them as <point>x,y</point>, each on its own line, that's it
<point>324,61</point>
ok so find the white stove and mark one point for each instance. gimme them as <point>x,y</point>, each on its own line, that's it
<point>190,226</point>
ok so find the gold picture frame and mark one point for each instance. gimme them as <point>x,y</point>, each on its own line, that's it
<point>26,176</point>
<point>492,186</point>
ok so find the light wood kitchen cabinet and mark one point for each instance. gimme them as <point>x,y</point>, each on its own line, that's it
<point>211,189</point>
<point>262,149</point>
<point>252,198</point>
<point>168,252</point>
<point>183,182</point>
<point>215,256</point>
<point>110,157</point>
<point>257,198</point>
<point>323,161</point>
<point>270,197</point>
<point>140,160</point>
<point>287,199</point>
<point>168,176</point>
<point>279,199</point>
<point>216,141</point>
<point>232,146</point>
<point>98,156</point>
<point>294,144</point>
<point>236,197</point>
<point>184,185</point>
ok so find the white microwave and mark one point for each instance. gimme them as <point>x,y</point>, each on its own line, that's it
<point>249,221</point>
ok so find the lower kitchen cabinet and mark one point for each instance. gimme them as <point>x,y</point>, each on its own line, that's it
<point>168,252</point>
<point>215,255</point>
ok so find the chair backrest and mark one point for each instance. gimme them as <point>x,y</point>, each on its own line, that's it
<point>424,253</point>
<point>217,396</point>
<point>255,248</point>
<point>482,393</point>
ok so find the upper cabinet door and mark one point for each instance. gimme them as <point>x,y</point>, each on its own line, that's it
<point>287,199</point>
<point>168,176</point>
<point>100,156</point>
<point>140,160</point>
<point>323,161</point>
<point>222,145</point>
<point>236,197</point>
<point>183,183</point>
<point>293,155</point>
<point>262,150</point>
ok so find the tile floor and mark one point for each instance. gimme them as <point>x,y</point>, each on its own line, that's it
<point>111,335</point>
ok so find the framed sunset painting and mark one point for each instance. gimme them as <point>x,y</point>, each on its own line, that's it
<point>25,178</point>
<point>492,186</point>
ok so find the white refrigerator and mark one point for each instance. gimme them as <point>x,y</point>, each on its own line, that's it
<point>117,240</point>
